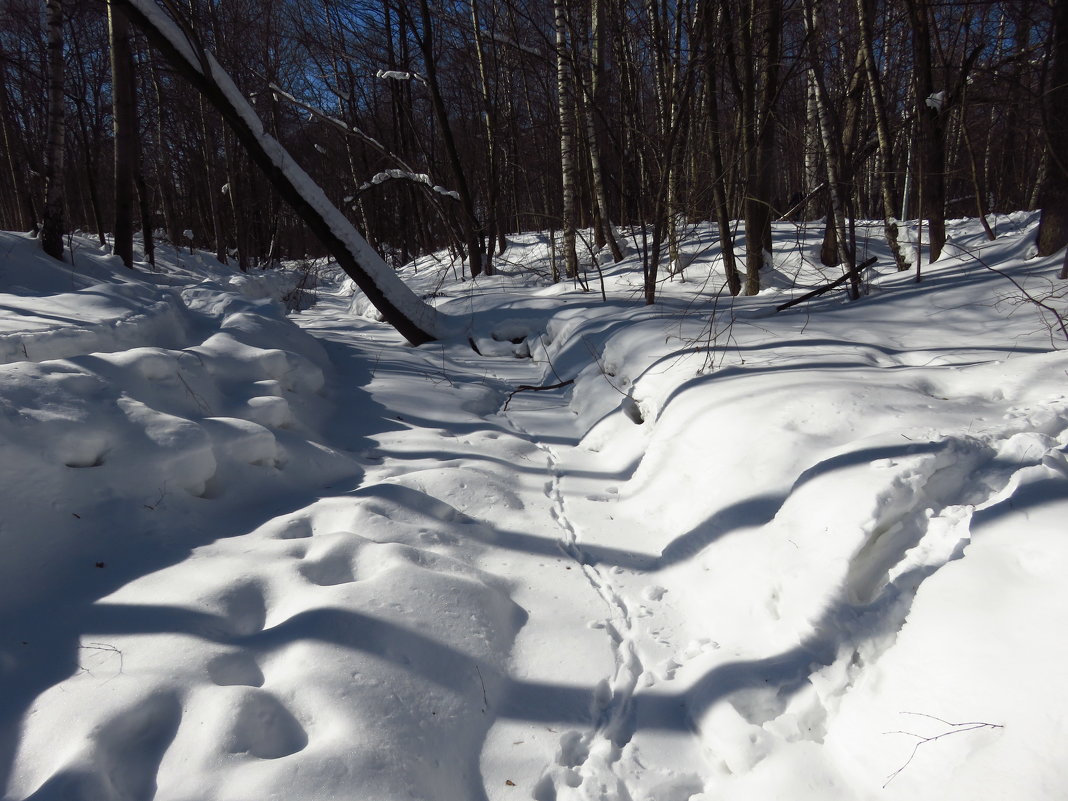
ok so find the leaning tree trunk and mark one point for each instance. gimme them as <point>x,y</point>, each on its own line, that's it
<point>52,224</point>
<point>400,307</point>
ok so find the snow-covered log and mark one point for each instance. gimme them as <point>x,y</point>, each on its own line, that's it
<point>400,307</point>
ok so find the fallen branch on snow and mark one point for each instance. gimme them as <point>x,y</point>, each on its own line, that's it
<point>955,728</point>
<point>532,388</point>
<point>827,287</point>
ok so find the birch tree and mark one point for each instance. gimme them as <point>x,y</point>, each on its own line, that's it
<point>401,308</point>
<point>566,107</point>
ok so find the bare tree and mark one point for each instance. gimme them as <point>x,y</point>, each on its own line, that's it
<point>885,153</point>
<point>473,232</point>
<point>710,23</point>
<point>124,123</point>
<point>566,106</point>
<point>757,30</point>
<point>1053,228</point>
<point>832,149</point>
<point>52,226</point>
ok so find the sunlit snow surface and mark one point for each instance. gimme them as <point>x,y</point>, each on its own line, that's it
<point>737,555</point>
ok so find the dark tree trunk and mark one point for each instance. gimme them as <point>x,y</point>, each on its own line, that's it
<point>715,147</point>
<point>760,70</point>
<point>1053,228</point>
<point>27,218</point>
<point>565,103</point>
<point>930,128</point>
<point>124,125</point>
<point>472,227</point>
<point>53,223</point>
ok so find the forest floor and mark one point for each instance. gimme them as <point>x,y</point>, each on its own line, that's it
<point>619,552</point>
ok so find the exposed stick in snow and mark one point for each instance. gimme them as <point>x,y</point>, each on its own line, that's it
<point>605,374</point>
<point>485,698</point>
<point>156,503</point>
<point>532,388</point>
<point>827,287</point>
<point>102,646</point>
<point>955,728</point>
<point>789,213</point>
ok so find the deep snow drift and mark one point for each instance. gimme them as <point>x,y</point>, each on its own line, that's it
<point>736,554</point>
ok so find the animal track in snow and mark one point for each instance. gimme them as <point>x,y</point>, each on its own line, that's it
<point>332,559</point>
<point>233,669</point>
<point>264,728</point>
<point>131,745</point>
<point>244,608</point>
<point>587,759</point>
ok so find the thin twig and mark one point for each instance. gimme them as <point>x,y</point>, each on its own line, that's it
<point>485,699</point>
<point>955,728</point>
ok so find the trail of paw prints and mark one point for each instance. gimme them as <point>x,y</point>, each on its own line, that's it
<point>585,762</point>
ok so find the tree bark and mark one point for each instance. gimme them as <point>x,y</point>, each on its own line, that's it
<point>885,158</point>
<point>27,218</point>
<point>489,121</point>
<point>53,223</point>
<point>472,228</point>
<point>592,104</point>
<point>760,69</point>
<point>214,189</point>
<point>124,127</point>
<point>164,167</point>
<point>715,149</point>
<point>832,150</point>
<point>930,129</point>
<point>566,106</point>
<point>1053,227</point>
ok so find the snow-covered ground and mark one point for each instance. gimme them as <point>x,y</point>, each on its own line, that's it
<point>736,554</point>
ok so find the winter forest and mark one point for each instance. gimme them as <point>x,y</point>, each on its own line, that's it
<point>542,116</point>
<point>575,400</point>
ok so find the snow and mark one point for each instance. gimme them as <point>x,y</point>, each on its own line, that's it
<point>419,178</point>
<point>399,75</point>
<point>734,555</point>
<point>937,100</point>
